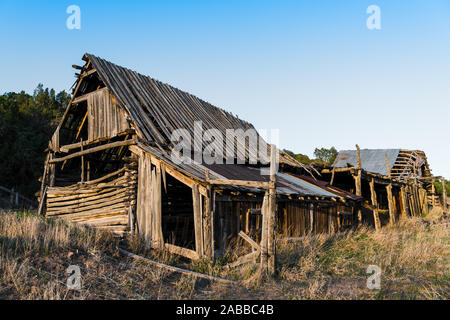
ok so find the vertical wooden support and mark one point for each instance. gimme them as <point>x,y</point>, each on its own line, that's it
<point>423,200</point>
<point>376,217</point>
<point>389,193</point>
<point>285,222</point>
<point>264,230</point>
<point>198,228</point>
<point>358,181</point>
<point>131,222</point>
<point>331,226</point>
<point>52,172</point>
<point>82,162</point>
<point>405,211</point>
<point>444,194</point>
<point>208,227</point>
<point>88,172</point>
<point>247,221</point>
<point>311,218</point>
<point>156,209</point>
<point>148,200</point>
<point>43,189</point>
<point>390,204</point>
<point>271,236</point>
<point>433,194</point>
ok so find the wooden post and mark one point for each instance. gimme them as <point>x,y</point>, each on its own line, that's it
<point>433,194</point>
<point>444,194</point>
<point>207,227</point>
<point>404,201</point>
<point>88,173</point>
<point>131,222</point>
<point>264,229</point>
<point>376,217</point>
<point>358,181</point>
<point>311,218</point>
<point>198,228</point>
<point>156,209</point>
<point>271,236</point>
<point>43,185</point>
<point>358,156</point>
<point>389,193</point>
<point>52,172</point>
<point>82,163</point>
<point>247,221</point>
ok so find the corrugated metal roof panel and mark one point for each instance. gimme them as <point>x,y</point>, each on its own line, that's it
<point>372,160</point>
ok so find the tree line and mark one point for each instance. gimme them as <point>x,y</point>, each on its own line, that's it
<point>27,123</point>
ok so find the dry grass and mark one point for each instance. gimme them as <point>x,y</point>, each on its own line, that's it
<point>35,253</point>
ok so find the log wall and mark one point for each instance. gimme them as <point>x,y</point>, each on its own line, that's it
<point>100,204</point>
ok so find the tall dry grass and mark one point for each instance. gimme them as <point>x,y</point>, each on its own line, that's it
<point>413,255</point>
<point>36,252</point>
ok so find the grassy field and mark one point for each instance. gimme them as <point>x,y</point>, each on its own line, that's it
<point>414,258</point>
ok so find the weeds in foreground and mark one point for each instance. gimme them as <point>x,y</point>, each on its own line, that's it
<point>35,253</point>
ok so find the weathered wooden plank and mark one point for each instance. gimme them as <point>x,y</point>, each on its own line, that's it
<point>175,269</point>
<point>376,217</point>
<point>95,149</point>
<point>190,254</point>
<point>196,202</point>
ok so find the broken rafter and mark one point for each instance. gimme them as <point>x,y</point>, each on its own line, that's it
<point>96,149</point>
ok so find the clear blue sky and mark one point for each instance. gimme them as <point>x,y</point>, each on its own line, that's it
<point>309,68</point>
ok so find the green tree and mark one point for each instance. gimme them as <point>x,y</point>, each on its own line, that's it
<point>438,186</point>
<point>299,157</point>
<point>326,156</point>
<point>26,125</point>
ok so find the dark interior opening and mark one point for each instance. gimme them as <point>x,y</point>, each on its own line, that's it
<point>178,214</point>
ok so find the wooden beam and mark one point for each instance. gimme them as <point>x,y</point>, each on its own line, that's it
<point>271,241</point>
<point>190,254</point>
<point>358,157</point>
<point>156,211</point>
<point>250,241</point>
<point>311,218</point>
<point>389,193</point>
<point>208,226</point>
<point>175,269</point>
<point>198,225</point>
<point>241,183</point>
<point>251,257</point>
<point>264,229</point>
<point>339,170</point>
<point>390,204</point>
<point>444,194</point>
<point>376,217</point>
<point>95,149</point>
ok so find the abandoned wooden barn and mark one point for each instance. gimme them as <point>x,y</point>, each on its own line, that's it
<point>393,182</point>
<point>111,165</point>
